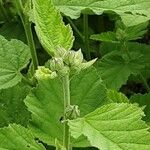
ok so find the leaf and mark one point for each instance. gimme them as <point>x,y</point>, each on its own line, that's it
<point>46,104</point>
<point>59,146</point>
<point>113,127</point>
<point>50,28</point>
<point>135,9</point>
<point>122,33</point>
<point>115,69</point>
<point>88,91</point>
<point>129,20</point>
<point>12,107</point>
<point>17,137</point>
<point>105,37</point>
<point>117,97</point>
<point>14,56</point>
<point>132,32</point>
<point>143,100</point>
<point>13,27</point>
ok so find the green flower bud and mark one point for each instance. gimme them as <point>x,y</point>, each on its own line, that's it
<point>44,73</point>
<point>56,64</point>
<point>73,58</point>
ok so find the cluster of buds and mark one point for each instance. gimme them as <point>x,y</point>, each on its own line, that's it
<point>71,62</point>
<point>64,62</point>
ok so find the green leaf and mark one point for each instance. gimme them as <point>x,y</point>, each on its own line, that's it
<point>122,33</point>
<point>50,28</point>
<point>135,9</point>
<point>46,103</point>
<point>88,91</point>
<point>113,127</point>
<point>12,107</point>
<point>59,146</point>
<point>18,138</point>
<point>143,100</point>
<point>115,69</point>
<point>14,56</point>
<point>105,37</point>
<point>13,27</point>
<point>129,20</point>
<point>132,32</point>
<point>117,97</point>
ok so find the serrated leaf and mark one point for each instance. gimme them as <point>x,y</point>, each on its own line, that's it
<point>59,146</point>
<point>50,28</point>
<point>114,127</point>
<point>117,97</point>
<point>132,32</point>
<point>115,69</point>
<point>12,107</point>
<point>105,37</point>
<point>14,56</point>
<point>127,33</point>
<point>143,100</point>
<point>73,8</point>
<point>18,138</point>
<point>46,103</point>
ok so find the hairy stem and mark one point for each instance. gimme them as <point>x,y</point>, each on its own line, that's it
<point>28,32</point>
<point>66,133</point>
<point>86,35</point>
<point>147,87</point>
<point>75,28</point>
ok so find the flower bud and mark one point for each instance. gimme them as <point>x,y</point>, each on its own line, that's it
<point>73,58</point>
<point>56,64</point>
<point>44,73</point>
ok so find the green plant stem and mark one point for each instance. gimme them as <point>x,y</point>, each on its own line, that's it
<point>3,10</point>
<point>28,32</point>
<point>26,80</point>
<point>145,82</point>
<point>140,74</point>
<point>86,35</point>
<point>75,28</point>
<point>66,133</point>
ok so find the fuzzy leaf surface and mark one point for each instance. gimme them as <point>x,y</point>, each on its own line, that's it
<point>143,100</point>
<point>117,97</point>
<point>114,127</point>
<point>17,137</point>
<point>137,8</point>
<point>12,107</point>
<point>115,68</point>
<point>51,30</point>
<point>46,103</point>
<point>14,56</point>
